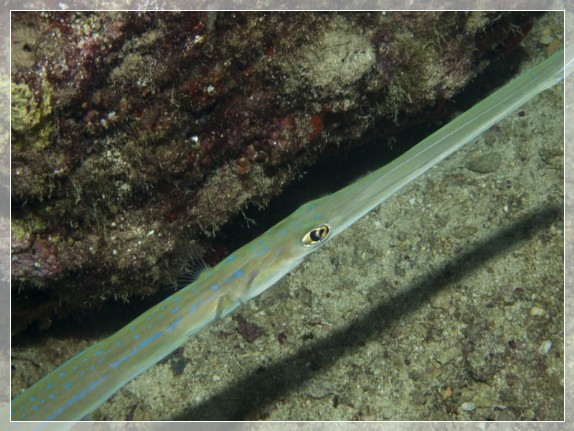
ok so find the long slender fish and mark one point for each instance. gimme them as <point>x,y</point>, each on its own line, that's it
<point>83,383</point>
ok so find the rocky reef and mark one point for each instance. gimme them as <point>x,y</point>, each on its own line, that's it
<point>137,135</point>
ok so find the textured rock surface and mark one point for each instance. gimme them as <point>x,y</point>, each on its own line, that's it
<point>136,135</point>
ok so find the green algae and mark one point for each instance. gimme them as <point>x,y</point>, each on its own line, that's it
<point>29,114</point>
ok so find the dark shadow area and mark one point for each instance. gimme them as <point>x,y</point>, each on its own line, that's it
<point>245,398</point>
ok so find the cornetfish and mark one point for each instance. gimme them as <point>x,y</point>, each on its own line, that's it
<point>83,383</point>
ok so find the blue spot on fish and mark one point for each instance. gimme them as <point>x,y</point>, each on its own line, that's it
<point>144,343</point>
<point>75,399</point>
<point>262,250</point>
<point>237,274</point>
<point>174,324</point>
<point>175,309</point>
<point>147,341</point>
<point>68,385</point>
<point>214,287</point>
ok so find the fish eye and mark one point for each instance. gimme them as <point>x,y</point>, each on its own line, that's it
<point>316,236</point>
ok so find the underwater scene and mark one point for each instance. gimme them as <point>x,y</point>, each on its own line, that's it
<point>149,147</point>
